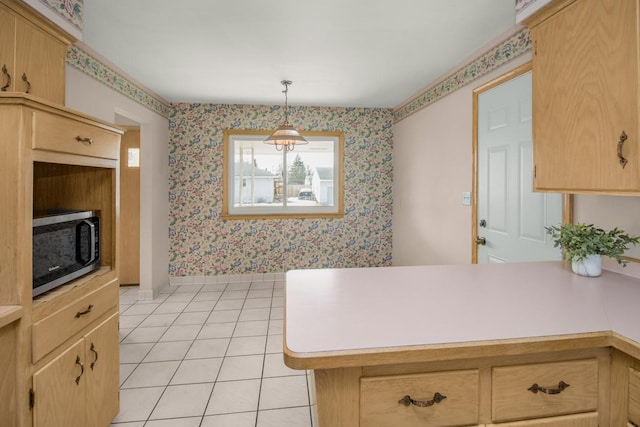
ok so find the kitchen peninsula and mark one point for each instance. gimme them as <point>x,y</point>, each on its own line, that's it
<point>511,344</point>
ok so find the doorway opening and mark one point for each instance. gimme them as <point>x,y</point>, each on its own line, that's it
<point>508,218</point>
<point>130,164</point>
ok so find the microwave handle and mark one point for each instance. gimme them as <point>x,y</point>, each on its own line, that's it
<point>92,242</point>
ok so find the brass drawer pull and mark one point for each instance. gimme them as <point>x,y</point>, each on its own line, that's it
<point>407,400</point>
<point>536,388</point>
<point>82,313</point>
<point>87,140</point>
<point>79,362</point>
<point>623,162</point>
<point>6,73</point>
<point>26,80</point>
<point>93,350</point>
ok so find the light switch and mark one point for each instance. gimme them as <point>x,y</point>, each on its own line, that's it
<point>466,198</point>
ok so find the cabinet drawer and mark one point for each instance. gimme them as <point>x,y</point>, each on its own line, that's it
<point>380,399</point>
<point>513,388</point>
<point>56,328</point>
<point>634,396</point>
<point>580,420</point>
<point>55,133</point>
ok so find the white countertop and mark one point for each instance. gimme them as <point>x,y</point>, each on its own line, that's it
<point>336,310</point>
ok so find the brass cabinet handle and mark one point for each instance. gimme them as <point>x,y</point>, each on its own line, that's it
<point>26,80</point>
<point>79,362</point>
<point>536,388</point>
<point>87,140</point>
<point>82,313</point>
<point>93,350</point>
<point>6,73</point>
<point>623,162</point>
<point>407,400</point>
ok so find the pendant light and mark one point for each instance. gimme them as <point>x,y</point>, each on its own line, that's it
<point>286,136</point>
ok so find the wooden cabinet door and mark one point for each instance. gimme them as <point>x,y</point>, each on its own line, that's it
<point>585,95</point>
<point>59,389</point>
<point>7,49</point>
<point>102,368</point>
<point>40,59</point>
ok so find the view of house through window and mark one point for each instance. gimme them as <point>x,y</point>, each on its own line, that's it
<point>259,180</point>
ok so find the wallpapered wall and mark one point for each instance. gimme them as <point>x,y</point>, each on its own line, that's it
<point>202,244</point>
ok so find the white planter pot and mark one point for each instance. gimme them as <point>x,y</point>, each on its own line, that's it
<point>590,266</point>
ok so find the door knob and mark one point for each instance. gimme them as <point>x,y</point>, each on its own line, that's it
<point>481,241</point>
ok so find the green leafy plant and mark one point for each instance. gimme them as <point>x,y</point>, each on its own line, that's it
<point>581,240</point>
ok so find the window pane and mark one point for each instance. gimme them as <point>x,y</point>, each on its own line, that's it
<point>258,174</point>
<point>310,178</point>
<point>133,157</point>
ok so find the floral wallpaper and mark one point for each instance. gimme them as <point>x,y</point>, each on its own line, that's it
<point>69,10</point>
<point>89,65</point>
<point>509,49</point>
<point>522,4</point>
<point>203,244</point>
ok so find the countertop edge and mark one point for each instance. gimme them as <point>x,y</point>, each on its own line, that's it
<point>9,314</point>
<point>457,351</point>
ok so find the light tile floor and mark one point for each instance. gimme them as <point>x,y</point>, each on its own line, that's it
<point>208,356</point>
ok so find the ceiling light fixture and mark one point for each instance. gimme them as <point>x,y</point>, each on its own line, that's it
<point>286,136</point>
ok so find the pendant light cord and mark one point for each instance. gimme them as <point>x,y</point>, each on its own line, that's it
<point>286,84</point>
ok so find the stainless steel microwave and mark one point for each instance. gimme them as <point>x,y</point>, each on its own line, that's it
<point>66,245</point>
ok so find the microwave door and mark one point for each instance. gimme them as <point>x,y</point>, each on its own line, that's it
<point>64,248</point>
<point>85,242</point>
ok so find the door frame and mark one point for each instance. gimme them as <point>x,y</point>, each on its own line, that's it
<point>128,128</point>
<point>567,199</point>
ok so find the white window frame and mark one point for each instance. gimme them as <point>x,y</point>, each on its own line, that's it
<point>233,137</point>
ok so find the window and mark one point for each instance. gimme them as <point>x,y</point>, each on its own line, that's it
<point>260,181</point>
<point>133,157</point>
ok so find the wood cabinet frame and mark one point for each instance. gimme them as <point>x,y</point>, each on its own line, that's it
<point>39,179</point>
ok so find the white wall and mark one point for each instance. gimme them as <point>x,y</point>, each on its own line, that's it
<point>432,160</point>
<point>608,212</point>
<point>87,95</point>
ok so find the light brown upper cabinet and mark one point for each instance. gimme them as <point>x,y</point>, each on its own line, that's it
<point>585,96</point>
<point>32,57</point>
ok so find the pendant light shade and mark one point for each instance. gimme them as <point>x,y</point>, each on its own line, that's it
<point>286,136</point>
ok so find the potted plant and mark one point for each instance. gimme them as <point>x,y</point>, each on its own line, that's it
<point>583,245</point>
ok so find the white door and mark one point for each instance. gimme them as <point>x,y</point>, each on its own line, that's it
<point>511,217</point>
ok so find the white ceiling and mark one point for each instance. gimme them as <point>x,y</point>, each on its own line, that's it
<point>356,53</point>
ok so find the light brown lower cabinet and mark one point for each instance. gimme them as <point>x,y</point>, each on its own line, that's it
<point>579,420</point>
<point>556,389</point>
<point>534,393</point>
<point>634,396</point>
<point>544,389</point>
<point>80,387</point>
<point>442,399</point>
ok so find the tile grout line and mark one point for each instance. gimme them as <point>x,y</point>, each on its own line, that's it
<point>274,291</point>
<point>225,353</point>
<point>264,358</point>
<point>187,352</point>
